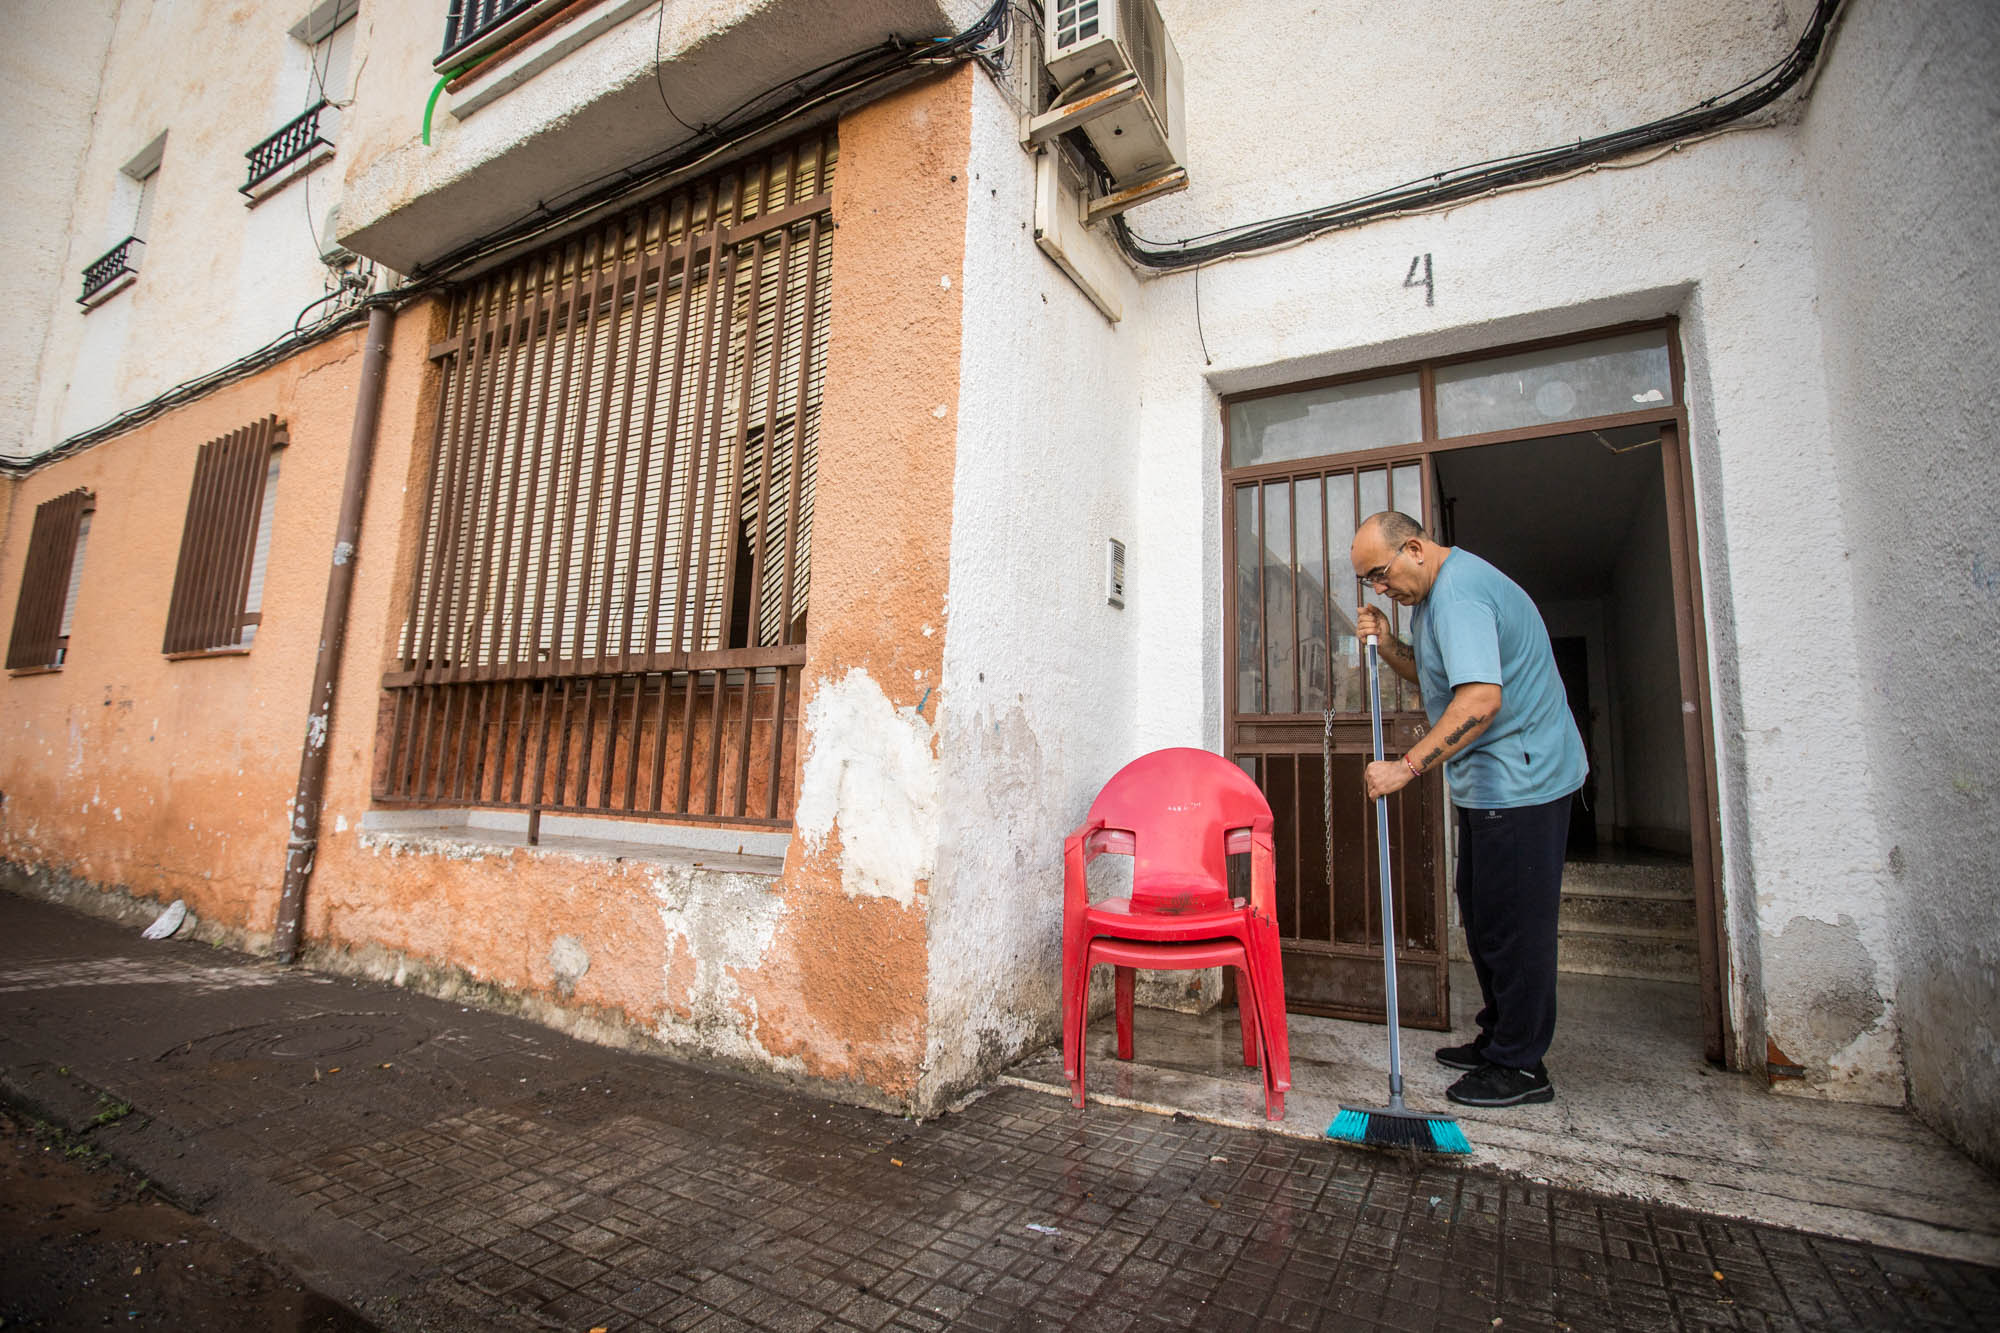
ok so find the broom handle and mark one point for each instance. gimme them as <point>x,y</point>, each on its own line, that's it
<point>1388,894</point>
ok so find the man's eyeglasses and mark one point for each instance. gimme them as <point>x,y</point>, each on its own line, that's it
<point>1379,575</point>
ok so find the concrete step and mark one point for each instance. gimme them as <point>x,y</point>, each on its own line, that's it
<point>1607,879</point>
<point>1654,954</point>
<point>1624,919</point>
<point>1629,912</point>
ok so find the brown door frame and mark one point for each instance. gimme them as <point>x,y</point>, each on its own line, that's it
<point>1690,617</point>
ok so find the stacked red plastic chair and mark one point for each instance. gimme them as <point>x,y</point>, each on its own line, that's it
<point>1178,814</point>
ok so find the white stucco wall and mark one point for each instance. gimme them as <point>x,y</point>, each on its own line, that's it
<point>216,280</point>
<point>1291,105</point>
<point>1038,668</point>
<point>1904,185</point>
<point>1718,233</point>
<point>49,69</point>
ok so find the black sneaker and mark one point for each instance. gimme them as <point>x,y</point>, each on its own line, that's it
<point>1497,1085</point>
<point>1468,1057</point>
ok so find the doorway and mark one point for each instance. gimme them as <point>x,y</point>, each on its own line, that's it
<point>1562,461</point>
<point>1580,521</point>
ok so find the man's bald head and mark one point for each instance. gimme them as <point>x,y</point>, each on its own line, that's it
<point>1392,526</point>
<point>1378,554</point>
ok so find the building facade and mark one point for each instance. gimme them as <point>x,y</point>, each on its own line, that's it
<point>748,418</point>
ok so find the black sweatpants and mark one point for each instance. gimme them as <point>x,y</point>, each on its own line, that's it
<point>1509,891</point>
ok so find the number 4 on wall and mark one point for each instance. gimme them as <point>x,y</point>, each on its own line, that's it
<point>1411,279</point>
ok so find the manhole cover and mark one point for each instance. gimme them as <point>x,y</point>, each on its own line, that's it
<point>317,1040</point>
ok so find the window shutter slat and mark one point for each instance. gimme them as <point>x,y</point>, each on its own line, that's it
<point>48,576</point>
<point>220,539</point>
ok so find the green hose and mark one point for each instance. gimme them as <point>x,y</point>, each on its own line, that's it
<point>438,91</point>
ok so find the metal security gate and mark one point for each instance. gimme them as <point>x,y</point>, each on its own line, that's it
<point>607,613</point>
<point>1292,602</point>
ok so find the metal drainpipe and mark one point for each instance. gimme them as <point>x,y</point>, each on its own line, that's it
<point>304,841</point>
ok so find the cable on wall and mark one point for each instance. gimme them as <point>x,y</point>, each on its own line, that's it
<point>1478,178</point>
<point>850,74</point>
<point>293,340</point>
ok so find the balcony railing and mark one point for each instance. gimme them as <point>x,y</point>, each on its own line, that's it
<point>287,146</point>
<point>469,20</point>
<point>101,274</point>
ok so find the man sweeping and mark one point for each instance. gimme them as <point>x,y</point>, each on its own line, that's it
<point>1500,723</point>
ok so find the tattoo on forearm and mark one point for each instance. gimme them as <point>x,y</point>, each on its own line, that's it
<point>1466,728</point>
<point>1463,729</point>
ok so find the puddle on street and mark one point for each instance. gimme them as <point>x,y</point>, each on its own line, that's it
<point>84,1243</point>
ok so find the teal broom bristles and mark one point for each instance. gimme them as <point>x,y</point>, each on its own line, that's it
<point>1383,1127</point>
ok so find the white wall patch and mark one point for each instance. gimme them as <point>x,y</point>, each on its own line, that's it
<point>871,768</point>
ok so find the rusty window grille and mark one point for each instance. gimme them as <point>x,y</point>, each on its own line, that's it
<point>217,601</point>
<point>49,583</point>
<point>607,612</point>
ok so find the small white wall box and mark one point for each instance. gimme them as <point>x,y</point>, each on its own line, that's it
<point>1114,571</point>
<point>1091,48</point>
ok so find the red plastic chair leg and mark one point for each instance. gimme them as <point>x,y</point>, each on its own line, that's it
<point>1076,1011</point>
<point>1073,1043</point>
<point>1267,1011</point>
<point>1247,1009</point>
<point>1123,1005</point>
<point>1262,946</point>
<point>1251,997</point>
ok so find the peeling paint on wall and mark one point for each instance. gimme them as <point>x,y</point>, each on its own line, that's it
<point>568,961</point>
<point>716,924</point>
<point>872,770</point>
<point>1833,1005</point>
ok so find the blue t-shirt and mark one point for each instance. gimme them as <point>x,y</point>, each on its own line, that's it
<point>1477,625</point>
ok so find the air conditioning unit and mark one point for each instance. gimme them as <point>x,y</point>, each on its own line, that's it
<point>1093,47</point>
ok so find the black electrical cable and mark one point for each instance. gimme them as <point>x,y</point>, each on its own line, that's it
<point>284,345</point>
<point>1499,173</point>
<point>885,60</point>
<point>659,35</point>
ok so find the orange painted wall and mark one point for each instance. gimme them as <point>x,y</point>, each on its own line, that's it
<point>173,778</point>
<point>846,990</point>
<point>821,981</point>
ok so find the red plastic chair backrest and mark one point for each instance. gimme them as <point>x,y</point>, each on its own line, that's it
<point>1179,805</point>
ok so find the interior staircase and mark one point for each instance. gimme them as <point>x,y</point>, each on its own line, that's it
<point>1628,919</point>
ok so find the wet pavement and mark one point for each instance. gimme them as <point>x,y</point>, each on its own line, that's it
<point>437,1167</point>
<point>85,1244</point>
<point>1638,1113</point>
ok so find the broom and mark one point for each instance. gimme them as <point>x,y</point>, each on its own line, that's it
<point>1394,1125</point>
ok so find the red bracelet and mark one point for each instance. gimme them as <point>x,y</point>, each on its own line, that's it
<point>1415,772</point>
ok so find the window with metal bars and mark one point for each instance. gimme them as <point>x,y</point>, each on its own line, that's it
<point>49,583</point>
<point>218,594</point>
<point>607,611</point>
<point>469,24</point>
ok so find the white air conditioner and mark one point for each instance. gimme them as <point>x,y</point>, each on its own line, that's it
<point>1095,47</point>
